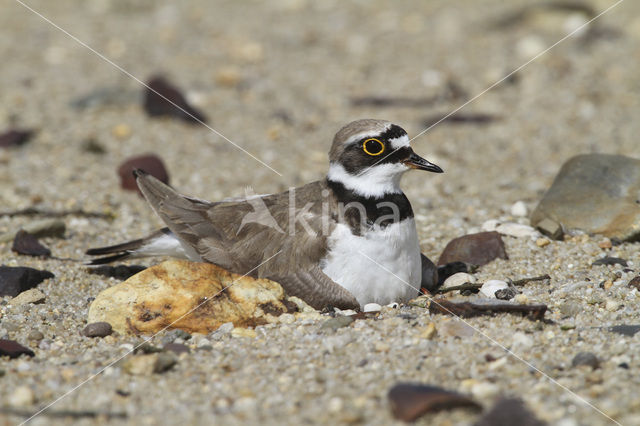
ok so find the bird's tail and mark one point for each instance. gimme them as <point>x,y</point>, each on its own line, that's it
<point>160,243</point>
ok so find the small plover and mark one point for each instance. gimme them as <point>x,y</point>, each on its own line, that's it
<point>344,241</point>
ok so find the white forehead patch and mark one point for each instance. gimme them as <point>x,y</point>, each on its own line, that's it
<point>399,142</point>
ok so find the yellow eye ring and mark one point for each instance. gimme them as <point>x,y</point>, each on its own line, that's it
<point>373,147</point>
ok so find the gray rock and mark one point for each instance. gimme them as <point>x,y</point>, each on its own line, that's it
<point>97,329</point>
<point>475,249</point>
<point>35,335</point>
<point>550,228</point>
<point>586,358</point>
<point>594,193</point>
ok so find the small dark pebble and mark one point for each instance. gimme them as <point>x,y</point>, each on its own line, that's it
<point>176,348</point>
<point>610,261</point>
<point>624,365</point>
<point>586,358</point>
<point>161,98</point>
<point>13,349</point>
<point>97,329</point>
<point>15,137</point>
<point>410,401</point>
<point>625,330</point>
<point>123,392</point>
<point>27,244</point>
<point>507,412</point>
<point>35,335</point>
<point>172,335</point>
<point>94,147</point>
<point>16,279</point>
<point>164,362</point>
<point>150,163</point>
<point>506,293</point>
<point>475,249</point>
<point>120,272</point>
<point>147,348</point>
<point>635,283</point>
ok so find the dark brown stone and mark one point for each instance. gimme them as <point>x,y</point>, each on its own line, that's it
<point>635,283</point>
<point>27,244</point>
<point>15,137</point>
<point>150,163</point>
<point>475,249</point>
<point>410,401</point>
<point>13,349</point>
<point>162,98</point>
<point>16,279</point>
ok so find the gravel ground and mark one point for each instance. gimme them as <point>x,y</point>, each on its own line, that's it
<point>277,78</point>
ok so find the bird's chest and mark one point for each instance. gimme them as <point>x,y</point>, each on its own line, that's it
<point>382,265</point>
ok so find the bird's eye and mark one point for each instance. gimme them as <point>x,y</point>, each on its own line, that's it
<point>373,147</point>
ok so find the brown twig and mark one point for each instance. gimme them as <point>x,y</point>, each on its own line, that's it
<point>63,413</point>
<point>34,211</point>
<point>524,281</point>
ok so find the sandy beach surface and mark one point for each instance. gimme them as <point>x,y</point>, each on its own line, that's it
<point>278,79</point>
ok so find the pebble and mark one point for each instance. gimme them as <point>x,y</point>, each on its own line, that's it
<point>15,137</point>
<point>635,283</point>
<point>35,335</point>
<point>179,348</point>
<point>372,307</point>
<point>456,329</point>
<point>458,279</point>
<point>97,329</point>
<point>607,260</point>
<point>16,279</point>
<point>506,293</point>
<point>585,358</point>
<point>147,364</point>
<point>428,332</point>
<point>490,287</point>
<point>612,305</point>
<point>162,98</point>
<point>119,272</point>
<point>27,244</point>
<point>31,296</point>
<point>485,390</point>
<point>22,396</point>
<point>625,330</point>
<point>244,332</point>
<point>430,279</point>
<point>410,401</point>
<point>475,249</point>
<point>121,131</point>
<point>550,228</point>
<point>516,230</point>
<point>336,323</point>
<point>594,193</point>
<point>605,244</point>
<point>13,349</point>
<point>543,242</point>
<point>519,209</point>
<point>150,163</point>
<point>521,299</point>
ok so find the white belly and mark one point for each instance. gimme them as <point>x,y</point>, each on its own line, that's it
<point>382,266</point>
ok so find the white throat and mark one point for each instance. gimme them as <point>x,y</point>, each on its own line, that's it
<point>375,181</point>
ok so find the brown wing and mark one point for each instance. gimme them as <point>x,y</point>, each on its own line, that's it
<point>280,236</point>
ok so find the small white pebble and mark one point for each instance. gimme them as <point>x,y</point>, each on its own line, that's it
<point>345,313</point>
<point>286,319</point>
<point>22,396</point>
<point>484,390</point>
<point>393,305</point>
<point>489,288</point>
<point>612,305</point>
<point>522,340</point>
<point>521,299</point>
<point>517,230</point>
<point>458,279</point>
<point>490,225</point>
<point>519,209</point>
<point>372,307</point>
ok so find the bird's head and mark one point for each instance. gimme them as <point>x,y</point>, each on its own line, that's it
<point>370,156</point>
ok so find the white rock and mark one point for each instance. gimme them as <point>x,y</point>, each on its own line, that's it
<point>612,305</point>
<point>22,396</point>
<point>393,305</point>
<point>345,313</point>
<point>484,390</point>
<point>490,225</point>
<point>458,279</point>
<point>519,209</point>
<point>489,288</point>
<point>521,340</point>
<point>517,230</point>
<point>372,307</point>
<point>286,318</point>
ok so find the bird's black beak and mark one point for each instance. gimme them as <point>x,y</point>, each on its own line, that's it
<point>416,162</point>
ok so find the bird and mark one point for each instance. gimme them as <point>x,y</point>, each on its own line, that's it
<point>344,241</point>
